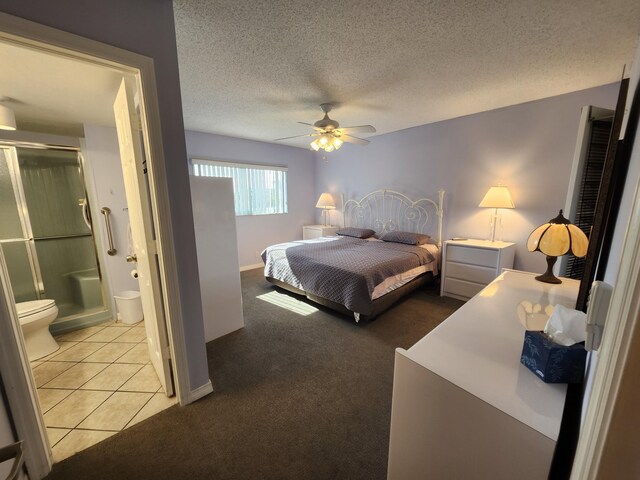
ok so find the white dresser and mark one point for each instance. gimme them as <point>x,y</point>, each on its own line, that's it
<point>469,265</point>
<point>463,405</point>
<point>315,231</point>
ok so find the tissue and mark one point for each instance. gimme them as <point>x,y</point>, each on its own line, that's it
<point>566,326</point>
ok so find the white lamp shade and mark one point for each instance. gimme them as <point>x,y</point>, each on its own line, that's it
<point>328,142</point>
<point>497,197</point>
<point>7,118</point>
<point>326,201</point>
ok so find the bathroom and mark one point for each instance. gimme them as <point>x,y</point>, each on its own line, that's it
<point>69,252</point>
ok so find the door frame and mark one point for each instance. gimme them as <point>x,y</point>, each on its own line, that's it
<point>619,345</point>
<point>14,367</point>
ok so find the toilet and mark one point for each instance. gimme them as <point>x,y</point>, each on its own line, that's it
<point>35,318</point>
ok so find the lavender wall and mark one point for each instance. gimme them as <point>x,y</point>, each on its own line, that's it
<point>145,27</point>
<point>257,232</point>
<point>528,147</point>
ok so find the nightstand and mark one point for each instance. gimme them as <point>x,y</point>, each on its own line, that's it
<point>315,231</point>
<point>470,265</point>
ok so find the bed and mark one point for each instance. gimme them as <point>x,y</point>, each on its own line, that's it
<point>363,277</point>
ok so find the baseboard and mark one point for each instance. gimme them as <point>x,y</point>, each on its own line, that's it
<point>65,326</point>
<point>251,267</point>
<point>201,391</point>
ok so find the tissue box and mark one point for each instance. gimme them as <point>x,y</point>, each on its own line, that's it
<point>551,362</point>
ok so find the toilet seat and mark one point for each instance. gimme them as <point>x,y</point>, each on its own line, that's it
<point>33,307</point>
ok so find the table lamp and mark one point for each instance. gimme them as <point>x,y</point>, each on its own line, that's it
<point>325,202</point>
<point>497,197</point>
<point>555,238</point>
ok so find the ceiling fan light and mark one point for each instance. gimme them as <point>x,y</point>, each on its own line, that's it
<point>328,148</point>
<point>337,143</point>
<point>7,118</point>
<point>323,141</point>
<point>315,145</point>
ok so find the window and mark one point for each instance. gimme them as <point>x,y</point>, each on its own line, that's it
<point>257,189</point>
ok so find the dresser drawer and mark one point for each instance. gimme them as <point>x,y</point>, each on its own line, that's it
<point>475,256</point>
<point>461,287</point>
<point>472,273</point>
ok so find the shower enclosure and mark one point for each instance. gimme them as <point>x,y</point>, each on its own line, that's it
<point>46,234</point>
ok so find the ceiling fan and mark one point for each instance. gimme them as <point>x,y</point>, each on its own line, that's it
<point>329,135</point>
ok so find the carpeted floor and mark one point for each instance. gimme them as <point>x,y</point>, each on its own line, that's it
<point>296,397</point>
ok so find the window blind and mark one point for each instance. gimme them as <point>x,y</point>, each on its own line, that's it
<point>257,189</point>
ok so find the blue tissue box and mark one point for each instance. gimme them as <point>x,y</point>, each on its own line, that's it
<point>551,362</point>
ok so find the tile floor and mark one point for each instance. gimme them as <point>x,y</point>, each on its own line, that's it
<point>98,383</point>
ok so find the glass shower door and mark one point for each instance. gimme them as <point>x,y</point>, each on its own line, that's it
<point>54,193</point>
<point>14,237</point>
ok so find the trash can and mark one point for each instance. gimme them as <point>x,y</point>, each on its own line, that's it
<point>129,306</point>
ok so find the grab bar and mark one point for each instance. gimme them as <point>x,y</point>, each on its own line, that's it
<point>106,211</point>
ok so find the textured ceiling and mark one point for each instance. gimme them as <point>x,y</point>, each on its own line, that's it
<point>253,68</point>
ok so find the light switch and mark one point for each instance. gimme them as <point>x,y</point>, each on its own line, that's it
<point>597,313</point>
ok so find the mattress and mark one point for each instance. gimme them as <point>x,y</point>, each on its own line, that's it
<point>391,283</point>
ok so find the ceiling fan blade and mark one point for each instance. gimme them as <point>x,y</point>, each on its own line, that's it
<point>356,140</point>
<point>359,129</point>
<point>310,124</point>
<point>295,136</point>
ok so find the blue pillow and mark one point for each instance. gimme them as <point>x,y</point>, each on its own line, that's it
<point>355,232</point>
<point>405,237</point>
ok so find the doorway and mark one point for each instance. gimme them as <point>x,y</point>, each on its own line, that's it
<point>99,380</point>
<point>155,327</point>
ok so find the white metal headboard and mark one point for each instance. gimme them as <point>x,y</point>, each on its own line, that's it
<point>388,210</point>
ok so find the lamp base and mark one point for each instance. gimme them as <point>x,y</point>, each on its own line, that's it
<point>548,276</point>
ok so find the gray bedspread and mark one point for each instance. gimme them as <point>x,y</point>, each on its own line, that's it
<point>344,270</point>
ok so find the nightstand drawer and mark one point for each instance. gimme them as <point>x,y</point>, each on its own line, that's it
<point>461,287</point>
<point>309,232</point>
<point>469,265</point>
<point>474,256</point>
<point>316,231</point>
<point>472,273</point>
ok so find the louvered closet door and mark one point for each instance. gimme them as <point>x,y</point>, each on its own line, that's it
<point>589,187</point>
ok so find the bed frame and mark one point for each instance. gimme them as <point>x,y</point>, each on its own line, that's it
<point>385,211</point>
